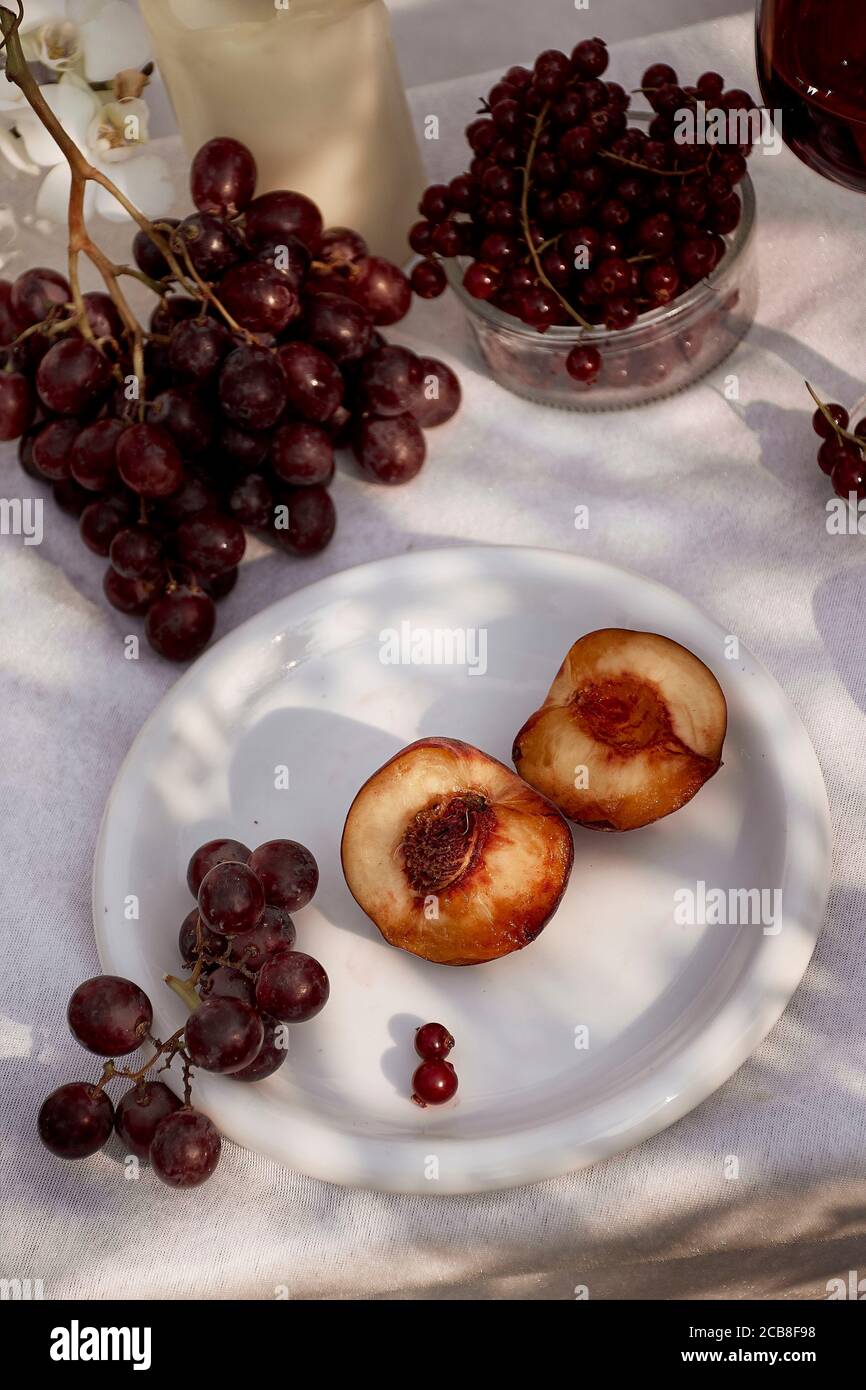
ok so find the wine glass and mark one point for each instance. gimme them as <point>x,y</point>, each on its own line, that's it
<point>811,57</point>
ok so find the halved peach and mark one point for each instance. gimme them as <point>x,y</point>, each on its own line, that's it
<point>632,727</point>
<point>453,856</point>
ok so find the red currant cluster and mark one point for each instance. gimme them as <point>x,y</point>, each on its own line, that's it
<point>568,215</point>
<point>268,358</point>
<point>841,453</point>
<point>435,1081</point>
<point>247,983</point>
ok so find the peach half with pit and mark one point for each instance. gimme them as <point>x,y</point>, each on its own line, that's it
<point>453,856</point>
<point>631,729</point>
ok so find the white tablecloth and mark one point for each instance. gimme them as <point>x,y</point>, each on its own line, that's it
<point>721,499</point>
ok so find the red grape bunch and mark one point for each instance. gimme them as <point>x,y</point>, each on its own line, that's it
<point>842,452</point>
<point>263,355</point>
<point>247,983</point>
<point>569,216</point>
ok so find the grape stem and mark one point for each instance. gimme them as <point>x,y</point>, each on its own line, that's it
<point>80,241</point>
<point>170,1047</point>
<point>524,218</point>
<point>185,990</point>
<point>204,957</point>
<point>206,293</point>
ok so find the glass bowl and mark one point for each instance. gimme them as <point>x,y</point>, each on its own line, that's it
<point>664,351</point>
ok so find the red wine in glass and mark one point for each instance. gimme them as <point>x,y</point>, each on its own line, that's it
<point>812,68</point>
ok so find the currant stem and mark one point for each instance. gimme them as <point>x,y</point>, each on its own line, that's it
<point>524,218</point>
<point>840,433</point>
<point>661,173</point>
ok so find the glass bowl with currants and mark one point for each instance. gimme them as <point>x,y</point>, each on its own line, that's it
<point>604,256</point>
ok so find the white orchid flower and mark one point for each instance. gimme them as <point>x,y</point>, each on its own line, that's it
<point>11,95</point>
<point>108,134</point>
<point>145,181</point>
<point>87,41</point>
<point>99,37</point>
<point>74,104</point>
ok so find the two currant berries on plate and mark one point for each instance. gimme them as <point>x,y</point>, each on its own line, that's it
<point>247,985</point>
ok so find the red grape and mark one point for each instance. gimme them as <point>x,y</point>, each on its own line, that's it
<point>382,289</point>
<point>208,855</point>
<point>10,324</point>
<point>72,374</point>
<point>76,1120</point>
<point>36,292</point>
<point>100,522</point>
<point>231,898</point>
<point>102,315</point>
<point>314,385</point>
<point>109,1015</point>
<point>218,585</point>
<point>222,177</point>
<point>133,596</point>
<point>139,1113</point>
<point>311,520</point>
<point>272,217</point>
<point>185,1148</point>
<point>302,454</point>
<point>146,253</point>
<point>212,244</point>
<point>136,552</point>
<point>291,259</point>
<point>388,380</point>
<point>148,460</point>
<point>259,298</point>
<point>246,449</point>
<point>52,449</point>
<point>339,326</point>
<point>192,497</point>
<point>272,1054</point>
<point>210,542</point>
<point>252,387</point>
<point>251,502</point>
<point>227,983</point>
<point>288,872</point>
<point>341,246</point>
<point>436,398</point>
<point>224,1034</point>
<point>171,310</point>
<point>17,405</point>
<point>93,463</point>
<point>274,931</point>
<point>188,936</point>
<point>180,623</point>
<point>69,497</point>
<point>197,349</point>
<point>391,449</point>
<point>184,415</point>
<point>292,986</point>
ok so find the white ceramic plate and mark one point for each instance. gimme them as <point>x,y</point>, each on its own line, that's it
<point>669,1011</point>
